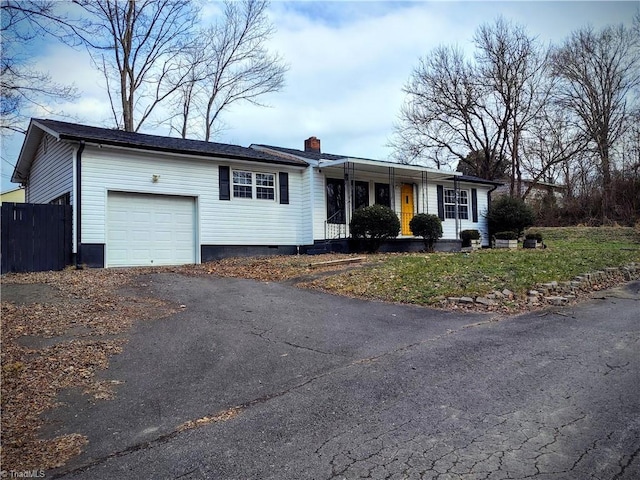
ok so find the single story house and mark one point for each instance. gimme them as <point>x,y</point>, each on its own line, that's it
<point>142,199</point>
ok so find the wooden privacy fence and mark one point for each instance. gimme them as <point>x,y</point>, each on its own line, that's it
<point>35,237</point>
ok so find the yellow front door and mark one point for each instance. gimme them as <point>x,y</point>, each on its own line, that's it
<point>406,192</point>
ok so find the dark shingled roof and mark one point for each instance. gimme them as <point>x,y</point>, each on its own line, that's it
<point>306,154</point>
<point>142,141</point>
<point>331,156</point>
<point>472,179</point>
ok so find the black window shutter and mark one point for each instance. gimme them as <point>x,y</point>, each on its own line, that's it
<point>223,181</point>
<point>284,188</point>
<point>441,202</point>
<point>474,204</point>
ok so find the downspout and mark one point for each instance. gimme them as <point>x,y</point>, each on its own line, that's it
<point>78,201</point>
<point>489,195</point>
<point>488,207</point>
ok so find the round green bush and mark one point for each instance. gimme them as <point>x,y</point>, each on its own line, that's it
<point>427,226</point>
<point>374,223</point>
<point>467,235</point>
<point>509,214</point>
<point>506,235</point>
<point>537,236</point>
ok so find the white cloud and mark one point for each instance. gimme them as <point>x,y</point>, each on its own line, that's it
<point>349,61</point>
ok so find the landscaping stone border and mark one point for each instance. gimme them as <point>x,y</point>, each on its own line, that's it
<point>554,293</point>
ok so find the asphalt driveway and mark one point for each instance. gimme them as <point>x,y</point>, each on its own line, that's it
<point>291,383</point>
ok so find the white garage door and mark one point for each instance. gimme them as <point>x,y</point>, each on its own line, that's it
<point>150,230</point>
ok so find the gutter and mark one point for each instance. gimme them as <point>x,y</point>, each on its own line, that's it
<point>78,202</point>
<point>179,151</point>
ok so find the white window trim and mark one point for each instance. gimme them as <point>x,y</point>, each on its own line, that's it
<point>254,186</point>
<point>459,204</point>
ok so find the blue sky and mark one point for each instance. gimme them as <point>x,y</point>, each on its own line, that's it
<point>348,64</point>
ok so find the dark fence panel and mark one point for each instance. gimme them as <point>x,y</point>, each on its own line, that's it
<point>35,237</point>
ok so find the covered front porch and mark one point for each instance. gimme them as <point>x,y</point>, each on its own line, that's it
<point>352,183</point>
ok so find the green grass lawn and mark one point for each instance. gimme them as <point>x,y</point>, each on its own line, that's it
<point>421,278</point>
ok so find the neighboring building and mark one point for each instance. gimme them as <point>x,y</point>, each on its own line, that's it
<point>151,200</point>
<point>536,191</point>
<point>16,196</point>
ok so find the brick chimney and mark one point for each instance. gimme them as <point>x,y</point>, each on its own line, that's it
<point>312,144</point>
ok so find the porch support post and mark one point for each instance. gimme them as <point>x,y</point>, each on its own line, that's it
<point>425,197</point>
<point>392,188</point>
<point>456,192</point>
<point>347,194</point>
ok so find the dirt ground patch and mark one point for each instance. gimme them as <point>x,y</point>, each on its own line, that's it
<point>22,294</point>
<point>58,329</point>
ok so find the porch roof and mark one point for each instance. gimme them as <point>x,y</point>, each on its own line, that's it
<point>324,160</point>
<point>382,167</point>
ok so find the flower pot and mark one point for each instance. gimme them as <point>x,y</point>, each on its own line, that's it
<point>476,244</point>
<point>531,243</point>
<point>506,243</point>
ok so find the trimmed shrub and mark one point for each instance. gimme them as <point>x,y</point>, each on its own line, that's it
<point>537,236</point>
<point>374,224</point>
<point>427,226</point>
<point>508,235</point>
<point>467,235</point>
<point>508,213</point>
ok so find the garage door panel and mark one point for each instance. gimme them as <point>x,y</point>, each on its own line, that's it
<point>150,230</point>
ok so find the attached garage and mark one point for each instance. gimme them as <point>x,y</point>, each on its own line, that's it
<point>146,229</point>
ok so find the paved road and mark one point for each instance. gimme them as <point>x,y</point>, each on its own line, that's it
<point>335,388</point>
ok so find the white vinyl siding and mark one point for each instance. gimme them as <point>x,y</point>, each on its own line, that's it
<point>233,222</point>
<point>319,205</point>
<point>51,173</point>
<point>307,203</point>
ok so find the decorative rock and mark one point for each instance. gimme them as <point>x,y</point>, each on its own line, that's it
<point>491,296</point>
<point>507,293</point>
<point>533,300</point>
<point>485,301</point>
<point>534,293</point>
<point>498,294</point>
<point>453,299</point>
<point>466,300</point>
<point>556,300</point>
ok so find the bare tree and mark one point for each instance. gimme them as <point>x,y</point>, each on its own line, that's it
<point>513,64</point>
<point>191,72</point>
<point>551,145</point>
<point>449,112</point>
<point>136,49</point>
<point>598,71</point>
<point>24,87</point>
<point>230,64</point>
<point>474,112</point>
